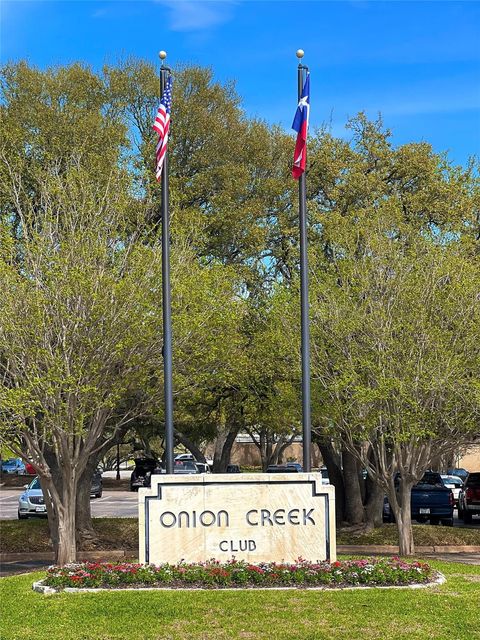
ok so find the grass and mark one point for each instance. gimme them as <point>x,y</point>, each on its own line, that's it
<point>446,612</point>
<point>122,533</point>
<point>423,534</point>
<point>32,535</point>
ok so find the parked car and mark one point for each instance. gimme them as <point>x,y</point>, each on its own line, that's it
<point>202,467</point>
<point>31,502</point>
<point>182,467</point>
<point>14,466</point>
<point>96,489</point>
<point>281,468</point>
<point>325,478</point>
<point>430,500</point>
<point>454,483</point>
<point>144,467</point>
<point>469,498</point>
<point>185,456</point>
<point>461,473</point>
<point>233,468</point>
<point>185,467</point>
<point>30,470</point>
<point>297,466</point>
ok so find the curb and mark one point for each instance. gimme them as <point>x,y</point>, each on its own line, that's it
<point>108,554</point>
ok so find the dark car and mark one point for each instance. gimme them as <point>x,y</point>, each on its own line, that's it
<point>469,498</point>
<point>281,468</point>
<point>233,468</point>
<point>96,489</point>
<point>296,465</point>
<point>144,467</point>
<point>430,500</point>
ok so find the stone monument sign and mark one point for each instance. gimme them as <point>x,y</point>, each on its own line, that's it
<point>255,517</point>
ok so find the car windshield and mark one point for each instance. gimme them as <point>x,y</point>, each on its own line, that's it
<point>35,484</point>
<point>432,479</point>
<point>473,477</point>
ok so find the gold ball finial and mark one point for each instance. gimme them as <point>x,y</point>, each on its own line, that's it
<point>300,53</point>
<point>162,55</point>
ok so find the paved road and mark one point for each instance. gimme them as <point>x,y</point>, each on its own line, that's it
<point>121,504</point>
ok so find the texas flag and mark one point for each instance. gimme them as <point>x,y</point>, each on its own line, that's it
<point>300,125</point>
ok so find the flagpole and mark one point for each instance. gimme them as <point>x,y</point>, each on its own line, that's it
<point>166,296</point>
<point>305,321</point>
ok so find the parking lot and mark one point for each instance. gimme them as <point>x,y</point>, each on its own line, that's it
<point>119,504</point>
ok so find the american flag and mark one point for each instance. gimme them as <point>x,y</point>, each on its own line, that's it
<point>162,125</point>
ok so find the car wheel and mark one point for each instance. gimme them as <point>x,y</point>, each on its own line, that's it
<point>99,494</point>
<point>434,520</point>
<point>460,512</point>
<point>467,517</point>
<point>22,517</point>
<point>448,522</point>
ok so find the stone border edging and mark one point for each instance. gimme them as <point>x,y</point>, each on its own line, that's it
<point>48,556</point>
<point>39,587</point>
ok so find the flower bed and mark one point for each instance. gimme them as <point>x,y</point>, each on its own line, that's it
<point>235,574</point>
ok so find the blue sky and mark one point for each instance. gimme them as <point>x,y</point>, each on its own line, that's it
<point>418,63</point>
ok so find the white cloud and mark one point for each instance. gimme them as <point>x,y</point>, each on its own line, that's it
<point>196,15</point>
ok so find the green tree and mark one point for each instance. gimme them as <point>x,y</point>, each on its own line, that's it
<point>394,305</point>
<point>80,336</point>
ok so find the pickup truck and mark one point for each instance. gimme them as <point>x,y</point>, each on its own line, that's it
<point>469,498</point>
<point>431,500</point>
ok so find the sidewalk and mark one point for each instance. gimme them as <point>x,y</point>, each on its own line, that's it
<point>12,563</point>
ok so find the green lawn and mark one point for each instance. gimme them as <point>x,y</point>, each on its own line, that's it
<point>423,535</point>
<point>447,612</point>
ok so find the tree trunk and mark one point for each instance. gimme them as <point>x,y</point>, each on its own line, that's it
<point>354,513</point>
<point>66,549</point>
<point>223,450</point>
<point>85,533</point>
<point>191,446</point>
<point>268,450</point>
<point>332,462</point>
<point>373,505</point>
<point>56,480</point>
<point>400,503</point>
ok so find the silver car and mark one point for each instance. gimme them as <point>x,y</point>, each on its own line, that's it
<point>32,503</point>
